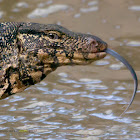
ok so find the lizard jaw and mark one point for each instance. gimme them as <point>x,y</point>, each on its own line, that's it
<point>80,59</point>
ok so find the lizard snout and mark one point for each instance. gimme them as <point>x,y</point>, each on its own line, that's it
<point>94,45</point>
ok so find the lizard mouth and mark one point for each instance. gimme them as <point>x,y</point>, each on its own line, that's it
<point>125,62</point>
<point>95,55</point>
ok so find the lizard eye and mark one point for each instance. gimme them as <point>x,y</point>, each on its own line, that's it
<point>53,36</point>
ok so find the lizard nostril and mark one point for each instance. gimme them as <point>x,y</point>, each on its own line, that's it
<point>94,43</point>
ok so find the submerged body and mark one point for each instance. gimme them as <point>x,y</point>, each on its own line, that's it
<point>30,51</point>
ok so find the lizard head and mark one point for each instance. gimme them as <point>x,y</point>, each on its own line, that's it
<point>74,48</point>
<point>55,45</point>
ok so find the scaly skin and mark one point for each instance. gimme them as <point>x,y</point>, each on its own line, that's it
<point>30,51</point>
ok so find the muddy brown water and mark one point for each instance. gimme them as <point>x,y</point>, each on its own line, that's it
<point>80,102</point>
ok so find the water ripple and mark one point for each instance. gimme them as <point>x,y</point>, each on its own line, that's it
<point>53,123</point>
<point>63,111</point>
<point>5,105</point>
<point>44,12</point>
<point>47,91</point>
<point>91,3</point>
<point>11,118</point>
<point>102,62</point>
<point>116,66</point>
<point>1,135</point>
<point>75,93</point>
<point>89,81</point>
<point>96,86</point>
<point>62,74</point>
<point>66,80</point>
<point>79,117</point>
<point>111,117</point>
<point>120,88</point>
<point>90,132</point>
<point>110,97</point>
<point>133,43</point>
<point>17,98</point>
<point>45,3</point>
<point>22,5</point>
<point>69,101</point>
<point>134,8</point>
<point>74,127</point>
<point>83,81</point>
<point>36,104</point>
<point>90,9</point>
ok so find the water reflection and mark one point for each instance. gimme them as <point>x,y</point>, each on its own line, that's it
<point>111,117</point>
<point>134,8</point>
<point>133,43</point>
<point>44,12</point>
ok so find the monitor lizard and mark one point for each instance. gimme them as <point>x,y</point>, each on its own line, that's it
<point>30,51</point>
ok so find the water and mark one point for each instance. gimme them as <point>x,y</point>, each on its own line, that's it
<point>80,102</point>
